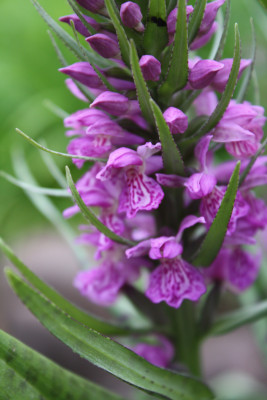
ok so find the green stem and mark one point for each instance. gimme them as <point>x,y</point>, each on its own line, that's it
<point>186,342</point>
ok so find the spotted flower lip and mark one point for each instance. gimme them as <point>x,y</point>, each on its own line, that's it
<point>140,192</point>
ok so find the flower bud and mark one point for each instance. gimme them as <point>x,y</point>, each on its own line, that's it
<point>113,103</point>
<point>131,16</point>
<point>203,72</point>
<point>222,77</point>
<point>104,45</point>
<point>92,5</point>
<point>79,26</point>
<point>151,68</point>
<point>210,15</point>
<point>176,120</point>
<point>84,73</point>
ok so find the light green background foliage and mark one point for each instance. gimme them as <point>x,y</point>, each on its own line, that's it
<point>28,70</point>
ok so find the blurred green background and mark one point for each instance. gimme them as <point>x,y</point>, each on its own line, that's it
<point>29,76</point>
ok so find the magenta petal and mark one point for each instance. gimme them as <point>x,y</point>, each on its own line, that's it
<point>188,222</point>
<point>101,284</point>
<point>113,103</point>
<point>210,15</point>
<point>242,149</point>
<point>243,269</point>
<point>201,150</point>
<point>227,132</point>
<point>150,67</point>
<point>130,14</point>
<point>79,26</point>
<point>159,355</point>
<point>206,102</point>
<point>85,117</point>
<point>164,247</point>
<point>140,193</point>
<point>174,281</point>
<point>203,73</point>
<point>84,73</point>
<point>73,88</point>
<point>176,120</point>
<point>104,45</point>
<point>170,180</point>
<point>200,185</point>
<point>148,149</point>
<point>92,5</point>
<point>202,39</point>
<point>140,249</point>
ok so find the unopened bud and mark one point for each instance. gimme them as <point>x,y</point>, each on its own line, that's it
<point>176,120</point>
<point>151,68</point>
<point>131,16</point>
<point>104,45</point>
<point>203,73</point>
<point>84,73</point>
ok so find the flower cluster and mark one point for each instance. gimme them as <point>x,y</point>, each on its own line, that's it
<point>164,214</point>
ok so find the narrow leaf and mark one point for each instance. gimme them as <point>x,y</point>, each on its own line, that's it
<point>236,319</point>
<point>53,296</point>
<point>220,49</point>
<point>141,87</point>
<point>195,19</point>
<point>70,42</point>
<point>57,153</point>
<point>215,236</point>
<point>246,81</point>
<point>91,217</point>
<point>107,354</point>
<point>55,109</point>
<point>172,158</point>
<point>122,37</point>
<point>27,375</point>
<point>263,3</point>
<point>87,93</point>
<point>33,188</point>
<point>156,34</point>
<point>178,69</point>
<point>228,92</point>
<point>99,74</point>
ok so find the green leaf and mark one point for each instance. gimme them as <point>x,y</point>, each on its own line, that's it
<point>57,153</point>
<point>173,163</point>
<point>196,19</point>
<point>246,81</point>
<point>70,42</point>
<point>27,375</point>
<point>219,52</point>
<point>231,321</point>
<point>215,236</point>
<point>107,354</point>
<point>53,296</point>
<point>178,69</point>
<point>33,188</point>
<point>156,34</point>
<point>122,37</point>
<point>228,92</point>
<point>141,87</point>
<point>87,93</point>
<point>263,3</point>
<point>91,217</point>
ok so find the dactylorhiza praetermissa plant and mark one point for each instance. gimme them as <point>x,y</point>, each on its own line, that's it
<point>174,221</point>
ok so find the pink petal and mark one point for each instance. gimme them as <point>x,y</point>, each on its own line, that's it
<point>174,281</point>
